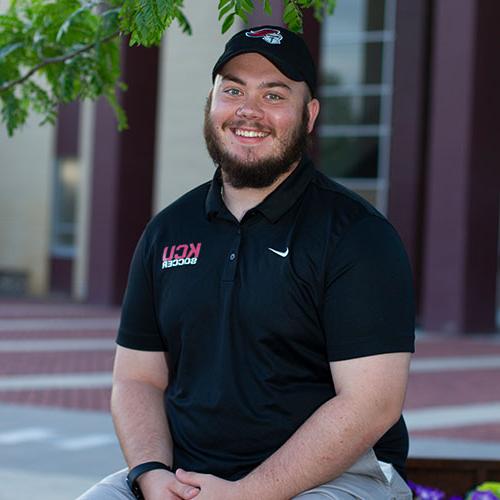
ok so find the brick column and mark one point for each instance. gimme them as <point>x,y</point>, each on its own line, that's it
<point>409,125</point>
<point>463,185</point>
<point>122,177</point>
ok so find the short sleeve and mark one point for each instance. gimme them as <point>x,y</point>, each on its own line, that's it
<point>369,302</point>
<point>138,325</point>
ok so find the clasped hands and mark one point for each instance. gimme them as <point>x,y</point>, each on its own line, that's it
<point>185,485</point>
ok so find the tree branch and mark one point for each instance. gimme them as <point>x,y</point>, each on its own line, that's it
<point>54,60</point>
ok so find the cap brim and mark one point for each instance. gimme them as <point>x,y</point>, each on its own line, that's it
<point>282,66</point>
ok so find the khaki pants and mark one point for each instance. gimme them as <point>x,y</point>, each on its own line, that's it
<point>365,480</point>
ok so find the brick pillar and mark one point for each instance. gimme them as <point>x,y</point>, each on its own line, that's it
<point>409,127</point>
<point>122,177</point>
<point>463,184</point>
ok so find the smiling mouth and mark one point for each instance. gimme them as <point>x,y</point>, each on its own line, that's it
<point>250,133</point>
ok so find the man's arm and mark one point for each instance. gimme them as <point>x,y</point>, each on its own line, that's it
<point>369,398</point>
<point>137,406</point>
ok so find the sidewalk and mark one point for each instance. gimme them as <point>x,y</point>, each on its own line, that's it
<point>453,403</point>
<point>56,436</point>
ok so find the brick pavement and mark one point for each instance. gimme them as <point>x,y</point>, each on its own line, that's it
<point>57,362</point>
<point>427,389</point>
<point>30,363</point>
<point>75,399</point>
<point>456,387</point>
<point>57,334</point>
<point>55,308</point>
<point>452,388</point>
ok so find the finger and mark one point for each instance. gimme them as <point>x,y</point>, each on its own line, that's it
<point>182,490</point>
<point>171,496</point>
<point>192,478</point>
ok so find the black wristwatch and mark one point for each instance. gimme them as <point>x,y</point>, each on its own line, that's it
<point>137,471</point>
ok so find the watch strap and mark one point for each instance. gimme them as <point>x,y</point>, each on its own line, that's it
<point>137,471</point>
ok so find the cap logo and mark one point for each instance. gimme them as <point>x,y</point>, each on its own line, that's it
<point>271,36</point>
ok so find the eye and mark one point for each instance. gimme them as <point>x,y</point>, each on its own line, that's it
<point>274,97</point>
<point>232,91</point>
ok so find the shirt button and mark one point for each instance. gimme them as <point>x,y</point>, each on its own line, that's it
<point>232,256</point>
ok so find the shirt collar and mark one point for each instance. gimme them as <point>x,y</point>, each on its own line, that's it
<point>276,203</point>
<point>214,205</point>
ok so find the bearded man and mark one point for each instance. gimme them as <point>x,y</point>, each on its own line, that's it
<point>267,326</point>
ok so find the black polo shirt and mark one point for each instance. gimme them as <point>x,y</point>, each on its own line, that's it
<point>252,312</point>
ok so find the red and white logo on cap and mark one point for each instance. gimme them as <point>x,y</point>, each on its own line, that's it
<point>267,34</point>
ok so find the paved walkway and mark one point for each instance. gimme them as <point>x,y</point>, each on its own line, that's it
<point>56,436</point>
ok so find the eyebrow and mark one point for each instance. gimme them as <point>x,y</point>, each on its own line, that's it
<point>263,85</point>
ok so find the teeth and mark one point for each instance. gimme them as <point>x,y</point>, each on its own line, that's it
<point>250,133</point>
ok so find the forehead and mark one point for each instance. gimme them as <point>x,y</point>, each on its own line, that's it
<point>253,66</point>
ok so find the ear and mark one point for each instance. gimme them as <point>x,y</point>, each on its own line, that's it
<point>313,107</point>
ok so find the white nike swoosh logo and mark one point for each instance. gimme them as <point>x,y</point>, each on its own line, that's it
<point>277,252</point>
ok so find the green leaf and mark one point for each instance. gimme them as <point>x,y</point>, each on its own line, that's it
<point>247,5</point>
<point>10,22</point>
<point>288,11</point>
<point>267,7</point>
<point>41,102</point>
<point>110,19</point>
<point>14,111</point>
<point>8,49</point>
<point>292,16</point>
<point>110,12</point>
<point>183,22</point>
<point>228,22</point>
<point>241,13</point>
<point>224,11</point>
<point>224,2</point>
<point>66,25</point>
<point>243,16</point>
<point>119,112</point>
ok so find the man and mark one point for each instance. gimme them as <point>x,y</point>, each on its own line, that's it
<point>267,326</point>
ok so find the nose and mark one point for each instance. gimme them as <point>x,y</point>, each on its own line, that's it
<point>250,109</point>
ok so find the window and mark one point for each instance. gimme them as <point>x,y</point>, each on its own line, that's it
<point>67,173</point>
<point>356,90</point>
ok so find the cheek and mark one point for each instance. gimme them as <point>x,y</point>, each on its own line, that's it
<point>220,110</point>
<point>220,116</point>
<point>286,122</point>
<point>215,116</point>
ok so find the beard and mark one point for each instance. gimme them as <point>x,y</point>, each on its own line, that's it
<point>253,172</point>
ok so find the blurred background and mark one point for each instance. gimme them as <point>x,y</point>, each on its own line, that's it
<point>410,105</point>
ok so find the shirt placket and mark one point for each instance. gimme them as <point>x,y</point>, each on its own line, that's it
<point>232,259</point>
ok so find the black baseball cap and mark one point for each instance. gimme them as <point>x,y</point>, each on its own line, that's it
<point>286,50</point>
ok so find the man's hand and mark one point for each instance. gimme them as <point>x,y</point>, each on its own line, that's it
<point>211,487</point>
<point>160,484</point>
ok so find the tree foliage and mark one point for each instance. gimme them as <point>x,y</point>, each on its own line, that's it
<point>58,51</point>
